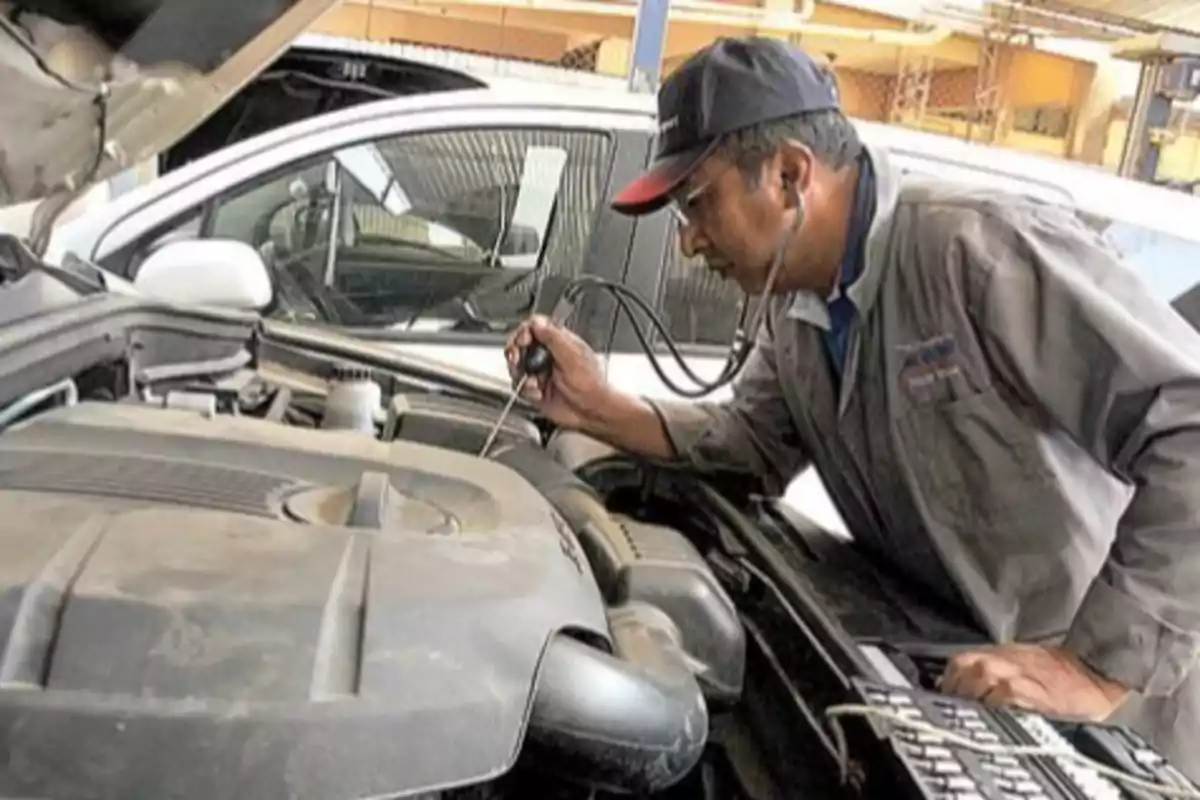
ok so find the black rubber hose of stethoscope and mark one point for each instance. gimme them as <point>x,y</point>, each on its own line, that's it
<point>739,350</point>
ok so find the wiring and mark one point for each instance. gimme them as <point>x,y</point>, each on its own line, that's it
<point>836,712</point>
<point>743,340</point>
<point>628,300</point>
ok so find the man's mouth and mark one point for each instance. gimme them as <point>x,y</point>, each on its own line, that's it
<point>721,268</point>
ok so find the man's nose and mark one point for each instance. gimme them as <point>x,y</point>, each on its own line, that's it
<point>691,239</point>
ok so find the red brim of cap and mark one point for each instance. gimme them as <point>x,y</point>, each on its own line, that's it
<point>651,190</point>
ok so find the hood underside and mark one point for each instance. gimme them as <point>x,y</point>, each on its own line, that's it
<point>90,87</point>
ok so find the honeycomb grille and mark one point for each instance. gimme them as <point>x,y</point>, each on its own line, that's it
<point>134,477</point>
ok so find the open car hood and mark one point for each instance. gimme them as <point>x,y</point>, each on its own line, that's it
<point>137,74</point>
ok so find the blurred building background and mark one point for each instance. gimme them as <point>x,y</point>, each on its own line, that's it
<point>1053,76</point>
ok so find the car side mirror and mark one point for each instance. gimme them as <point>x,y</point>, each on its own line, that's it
<point>209,272</point>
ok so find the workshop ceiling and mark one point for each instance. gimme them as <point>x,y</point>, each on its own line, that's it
<point>1180,14</point>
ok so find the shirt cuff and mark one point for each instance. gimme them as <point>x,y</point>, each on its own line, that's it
<point>1121,641</point>
<point>688,427</point>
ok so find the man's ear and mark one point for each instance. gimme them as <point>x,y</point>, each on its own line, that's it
<point>795,164</point>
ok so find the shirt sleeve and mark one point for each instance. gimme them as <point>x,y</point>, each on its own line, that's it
<point>753,434</point>
<point>1077,333</point>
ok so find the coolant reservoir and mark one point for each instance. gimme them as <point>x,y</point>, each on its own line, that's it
<point>353,400</point>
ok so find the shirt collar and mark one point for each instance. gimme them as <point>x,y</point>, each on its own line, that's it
<point>862,287</point>
<point>811,307</point>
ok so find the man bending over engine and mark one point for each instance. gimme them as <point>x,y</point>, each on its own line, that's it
<point>995,403</point>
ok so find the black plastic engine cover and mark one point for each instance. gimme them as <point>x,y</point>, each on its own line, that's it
<point>639,562</point>
<point>168,630</point>
<point>452,423</point>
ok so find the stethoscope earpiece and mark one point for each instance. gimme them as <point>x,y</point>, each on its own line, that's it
<point>790,191</point>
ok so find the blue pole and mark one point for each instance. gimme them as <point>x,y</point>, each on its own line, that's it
<point>649,39</point>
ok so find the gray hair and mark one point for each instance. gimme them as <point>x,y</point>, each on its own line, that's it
<point>829,134</point>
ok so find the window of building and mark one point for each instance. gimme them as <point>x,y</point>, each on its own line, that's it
<point>1051,120</point>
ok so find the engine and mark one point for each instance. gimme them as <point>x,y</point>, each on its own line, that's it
<point>251,590</point>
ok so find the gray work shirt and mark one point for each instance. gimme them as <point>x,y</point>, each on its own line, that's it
<point>1015,401</point>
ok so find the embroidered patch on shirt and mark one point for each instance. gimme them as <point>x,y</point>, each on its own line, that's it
<point>925,364</point>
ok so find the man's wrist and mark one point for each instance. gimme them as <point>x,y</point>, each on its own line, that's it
<point>1113,689</point>
<point>614,412</point>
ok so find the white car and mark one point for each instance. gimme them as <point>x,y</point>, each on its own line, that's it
<point>253,557</point>
<point>434,222</point>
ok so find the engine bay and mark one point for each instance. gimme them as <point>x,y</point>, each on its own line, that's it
<point>274,566</point>
<point>244,559</point>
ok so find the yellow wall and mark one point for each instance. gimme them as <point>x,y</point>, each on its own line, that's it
<point>1015,139</point>
<point>1036,78</point>
<point>1034,142</point>
<point>483,37</point>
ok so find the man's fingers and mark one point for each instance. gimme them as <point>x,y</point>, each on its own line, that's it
<point>974,675</point>
<point>562,343</point>
<point>517,339</point>
<point>1046,680</point>
<point>1016,691</point>
<point>956,667</point>
<point>536,388</point>
<point>993,680</point>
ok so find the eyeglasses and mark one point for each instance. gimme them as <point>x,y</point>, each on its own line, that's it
<point>686,204</point>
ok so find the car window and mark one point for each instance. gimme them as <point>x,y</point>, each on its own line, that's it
<point>699,307</point>
<point>1188,305</point>
<point>1170,265</point>
<point>432,231</point>
<point>997,179</point>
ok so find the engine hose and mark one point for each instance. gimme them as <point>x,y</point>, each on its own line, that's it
<point>635,720</point>
<point>631,722</point>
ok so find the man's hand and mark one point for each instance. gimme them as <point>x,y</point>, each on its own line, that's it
<point>574,392</point>
<point>1047,680</point>
<point>575,395</point>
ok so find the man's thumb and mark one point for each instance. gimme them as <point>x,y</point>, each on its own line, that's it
<point>549,334</point>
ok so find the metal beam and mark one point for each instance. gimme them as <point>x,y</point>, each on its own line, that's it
<point>1087,11</point>
<point>649,40</point>
<point>1150,116</point>
<point>914,78</point>
<point>987,101</point>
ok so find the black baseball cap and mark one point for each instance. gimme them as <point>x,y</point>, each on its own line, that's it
<point>731,84</point>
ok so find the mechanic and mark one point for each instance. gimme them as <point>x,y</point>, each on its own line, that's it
<point>995,403</point>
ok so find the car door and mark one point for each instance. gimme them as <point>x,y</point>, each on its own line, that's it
<point>434,231</point>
